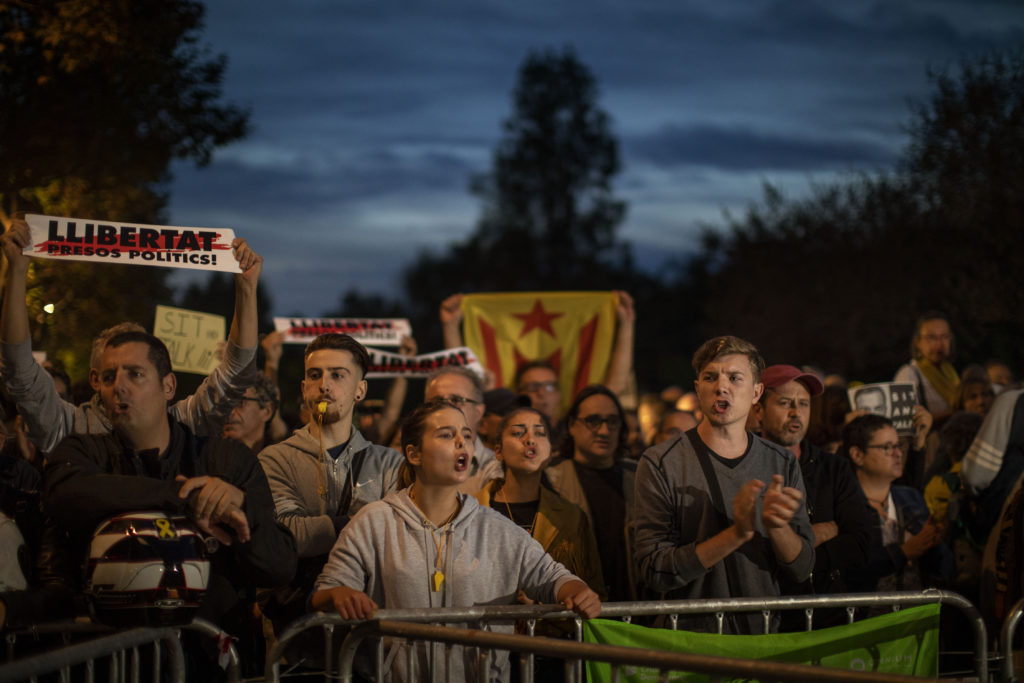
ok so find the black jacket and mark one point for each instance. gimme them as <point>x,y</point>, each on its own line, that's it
<point>90,478</point>
<point>835,495</point>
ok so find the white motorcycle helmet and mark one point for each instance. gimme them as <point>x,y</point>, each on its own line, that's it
<point>146,568</point>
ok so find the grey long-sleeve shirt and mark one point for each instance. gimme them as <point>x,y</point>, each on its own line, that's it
<point>50,418</point>
<point>674,512</point>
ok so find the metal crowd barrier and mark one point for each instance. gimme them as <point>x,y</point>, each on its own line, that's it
<point>121,649</point>
<point>616,655</point>
<point>109,643</point>
<point>1008,633</point>
<point>485,616</point>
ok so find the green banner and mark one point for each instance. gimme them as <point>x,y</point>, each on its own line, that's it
<point>903,642</point>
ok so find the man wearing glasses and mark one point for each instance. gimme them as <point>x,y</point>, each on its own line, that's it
<point>719,511</point>
<point>248,421</point>
<point>538,380</point>
<point>464,388</point>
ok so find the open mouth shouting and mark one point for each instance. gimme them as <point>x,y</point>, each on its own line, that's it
<point>720,406</point>
<point>461,462</point>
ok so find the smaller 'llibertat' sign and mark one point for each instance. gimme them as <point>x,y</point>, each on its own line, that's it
<point>83,239</point>
<point>370,331</point>
<point>386,364</point>
<point>191,337</point>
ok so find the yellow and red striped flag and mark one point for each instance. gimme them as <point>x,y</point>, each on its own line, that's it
<point>573,331</point>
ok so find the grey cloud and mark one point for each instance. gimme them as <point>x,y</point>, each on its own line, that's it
<point>743,149</point>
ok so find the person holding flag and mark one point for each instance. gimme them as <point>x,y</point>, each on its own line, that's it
<point>548,345</point>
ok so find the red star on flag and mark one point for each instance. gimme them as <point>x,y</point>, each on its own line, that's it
<point>537,318</point>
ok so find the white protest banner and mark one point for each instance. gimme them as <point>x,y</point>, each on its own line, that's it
<point>386,364</point>
<point>374,331</point>
<point>81,239</point>
<point>894,401</point>
<point>191,337</point>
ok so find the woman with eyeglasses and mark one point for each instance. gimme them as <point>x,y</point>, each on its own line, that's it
<point>912,555</point>
<point>593,474</point>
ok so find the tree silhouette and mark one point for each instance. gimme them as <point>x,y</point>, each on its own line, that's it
<point>548,217</point>
<point>549,220</point>
<point>96,100</point>
<point>837,279</point>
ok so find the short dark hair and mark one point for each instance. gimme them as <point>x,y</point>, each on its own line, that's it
<point>726,345</point>
<point>859,431</point>
<point>341,342</point>
<point>157,355</point>
<point>526,367</point>
<point>100,341</point>
<point>568,445</point>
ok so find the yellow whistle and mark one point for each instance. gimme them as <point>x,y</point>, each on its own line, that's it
<point>438,581</point>
<point>321,407</point>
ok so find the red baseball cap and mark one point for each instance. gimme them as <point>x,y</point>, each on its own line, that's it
<point>775,376</point>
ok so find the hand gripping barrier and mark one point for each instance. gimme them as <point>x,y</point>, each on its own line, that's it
<point>483,617</point>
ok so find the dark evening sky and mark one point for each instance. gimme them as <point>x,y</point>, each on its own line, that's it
<point>369,118</point>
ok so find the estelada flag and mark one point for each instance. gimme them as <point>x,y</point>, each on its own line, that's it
<point>573,331</point>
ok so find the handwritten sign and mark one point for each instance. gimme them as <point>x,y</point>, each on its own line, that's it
<point>375,331</point>
<point>386,364</point>
<point>80,239</point>
<point>191,337</point>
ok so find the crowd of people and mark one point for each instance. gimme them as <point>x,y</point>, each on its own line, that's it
<point>762,481</point>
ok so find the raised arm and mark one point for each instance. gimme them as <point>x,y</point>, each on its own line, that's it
<point>49,418</point>
<point>15,311</point>
<point>246,319</point>
<point>204,411</point>
<point>451,321</point>
<point>395,398</point>
<point>621,364</point>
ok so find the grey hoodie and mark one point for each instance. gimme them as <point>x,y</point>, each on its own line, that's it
<point>291,468</point>
<point>389,551</point>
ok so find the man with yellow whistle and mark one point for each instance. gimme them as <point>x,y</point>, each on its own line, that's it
<point>326,471</point>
